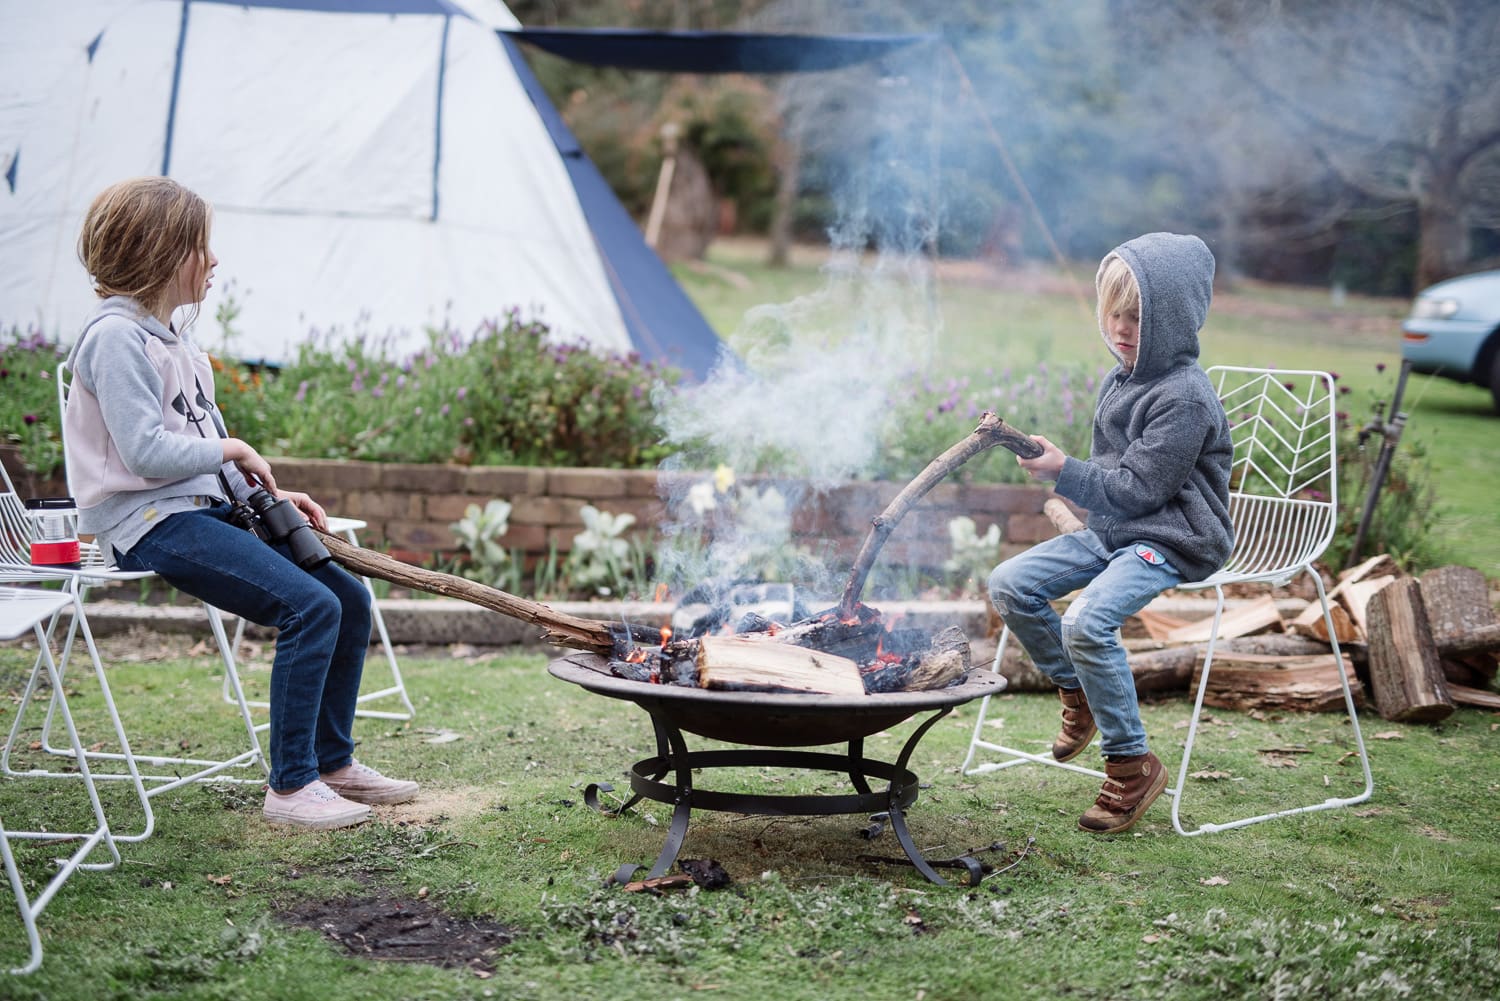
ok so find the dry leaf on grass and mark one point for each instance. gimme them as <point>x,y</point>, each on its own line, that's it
<point>1210,776</point>
<point>1389,735</point>
<point>1214,881</point>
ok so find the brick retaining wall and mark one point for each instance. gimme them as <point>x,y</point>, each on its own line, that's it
<point>409,507</point>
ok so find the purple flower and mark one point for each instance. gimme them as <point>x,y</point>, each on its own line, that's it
<point>301,391</point>
<point>1380,366</point>
<point>462,392</point>
<point>29,419</point>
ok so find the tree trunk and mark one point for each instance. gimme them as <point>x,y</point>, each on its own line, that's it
<point>784,208</point>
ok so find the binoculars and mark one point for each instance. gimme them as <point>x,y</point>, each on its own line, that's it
<point>277,520</point>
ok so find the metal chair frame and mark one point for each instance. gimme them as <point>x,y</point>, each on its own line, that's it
<point>94,570</point>
<point>348,528</point>
<point>1283,504</point>
<point>23,610</point>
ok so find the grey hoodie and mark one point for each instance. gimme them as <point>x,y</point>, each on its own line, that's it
<point>1159,469</point>
<point>140,440</point>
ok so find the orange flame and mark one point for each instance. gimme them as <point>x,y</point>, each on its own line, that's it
<point>661,593</point>
<point>886,658</point>
<point>636,656</point>
<point>666,634</point>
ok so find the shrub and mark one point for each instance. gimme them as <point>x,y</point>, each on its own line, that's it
<point>28,399</point>
<point>507,397</point>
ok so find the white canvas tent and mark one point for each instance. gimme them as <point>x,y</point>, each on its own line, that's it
<point>375,167</point>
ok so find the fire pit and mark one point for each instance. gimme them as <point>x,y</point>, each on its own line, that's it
<point>834,677</point>
<point>772,721</point>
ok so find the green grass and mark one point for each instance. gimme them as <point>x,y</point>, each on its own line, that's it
<point>986,321</point>
<point>1396,898</point>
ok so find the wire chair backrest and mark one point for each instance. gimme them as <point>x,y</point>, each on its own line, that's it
<point>1283,497</point>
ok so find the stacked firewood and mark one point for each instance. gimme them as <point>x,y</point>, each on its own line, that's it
<point>1424,646</point>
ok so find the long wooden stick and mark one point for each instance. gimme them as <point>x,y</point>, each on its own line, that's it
<point>560,628</point>
<point>992,431</point>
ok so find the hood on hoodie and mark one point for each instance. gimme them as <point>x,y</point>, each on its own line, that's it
<point>1175,274</point>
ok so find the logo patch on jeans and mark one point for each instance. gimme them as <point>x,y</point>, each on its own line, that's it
<point>1150,555</point>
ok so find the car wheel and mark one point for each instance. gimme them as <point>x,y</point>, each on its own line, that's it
<point>1495,379</point>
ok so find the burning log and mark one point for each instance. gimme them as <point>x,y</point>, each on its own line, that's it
<point>763,663</point>
<point>992,431</point>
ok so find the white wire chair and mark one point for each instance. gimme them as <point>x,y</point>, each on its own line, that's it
<point>25,610</point>
<point>1283,504</point>
<point>94,570</point>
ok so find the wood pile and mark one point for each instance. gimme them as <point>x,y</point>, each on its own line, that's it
<point>1427,644</point>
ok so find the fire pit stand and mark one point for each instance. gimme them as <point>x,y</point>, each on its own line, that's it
<point>774,721</point>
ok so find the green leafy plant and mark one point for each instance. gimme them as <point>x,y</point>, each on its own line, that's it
<point>484,559</point>
<point>599,560</point>
<point>973,555</point>
<point>28,399</point>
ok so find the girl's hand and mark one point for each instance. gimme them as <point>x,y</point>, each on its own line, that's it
<point>1048,465</point>
<point>256,469</point>
<point>309,508</point>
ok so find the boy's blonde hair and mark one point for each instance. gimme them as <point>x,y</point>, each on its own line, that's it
<point>1117,288</point>
<point>137,233</point>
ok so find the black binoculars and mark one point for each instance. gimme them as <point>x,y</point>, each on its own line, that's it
<point>277,520</point>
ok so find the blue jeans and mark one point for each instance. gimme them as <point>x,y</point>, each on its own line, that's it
<point>1082,648</point>
<point>323,618</point>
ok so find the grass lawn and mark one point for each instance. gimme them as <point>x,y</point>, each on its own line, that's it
<point>988,319</point>
<point>1396,898</point>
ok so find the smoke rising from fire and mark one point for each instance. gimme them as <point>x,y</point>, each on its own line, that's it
<point>810,391</point>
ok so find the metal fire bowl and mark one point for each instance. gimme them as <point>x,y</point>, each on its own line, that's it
<point>770,719</point>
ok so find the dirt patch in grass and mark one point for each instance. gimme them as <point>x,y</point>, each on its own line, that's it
<point>389,928</point>
<point>433,807</point>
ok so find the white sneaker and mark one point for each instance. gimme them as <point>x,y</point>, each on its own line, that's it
<point>364,784</point>
<point>315,807</point>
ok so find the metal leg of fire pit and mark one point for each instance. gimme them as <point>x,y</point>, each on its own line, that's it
<point>674,756</point>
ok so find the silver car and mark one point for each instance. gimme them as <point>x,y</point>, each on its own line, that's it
<point>1454,331</point>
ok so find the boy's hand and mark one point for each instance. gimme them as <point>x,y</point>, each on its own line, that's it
<point>1048,465</point>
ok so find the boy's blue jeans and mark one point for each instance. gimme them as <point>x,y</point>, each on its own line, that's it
<point>323,618</point>
<point>1082,648</point>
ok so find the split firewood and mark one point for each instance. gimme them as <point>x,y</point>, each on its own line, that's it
<point>1406,677</point>
<point>1160,626</point>
<point>1172,669</point>
<point>1252,617</point>
<point>1062,517</point>
<point>1376,566</point>
<point>1313,623</point>
<point>1458,607</point>
<point>1245,681</point>
<point>944,663</point>
<point>756,662</point>
<point>1356,597</point>
<point>1478,697</point>
<point>992,431</point>
<point>560,628</point>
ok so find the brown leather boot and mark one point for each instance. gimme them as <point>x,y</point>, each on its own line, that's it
<point>1078,725</point>
<point>1130,785</point>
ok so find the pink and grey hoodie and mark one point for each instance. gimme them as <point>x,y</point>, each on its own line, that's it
<point>141,437</point>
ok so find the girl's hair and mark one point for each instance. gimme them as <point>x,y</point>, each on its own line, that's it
<point>137,234</point>
<point>1118,291</point>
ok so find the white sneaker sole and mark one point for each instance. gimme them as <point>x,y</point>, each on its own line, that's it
<point>324,823</point>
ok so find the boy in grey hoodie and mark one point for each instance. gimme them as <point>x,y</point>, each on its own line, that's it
<point>1156,487</point>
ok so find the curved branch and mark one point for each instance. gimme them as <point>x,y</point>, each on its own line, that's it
<point>992,431</point>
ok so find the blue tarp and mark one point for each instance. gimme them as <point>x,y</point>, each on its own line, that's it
<point>713,51</point>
